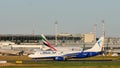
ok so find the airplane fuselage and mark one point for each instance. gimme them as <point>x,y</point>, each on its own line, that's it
<point>70,54</point>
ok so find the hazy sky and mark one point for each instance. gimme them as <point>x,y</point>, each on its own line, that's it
<point>73,16</point>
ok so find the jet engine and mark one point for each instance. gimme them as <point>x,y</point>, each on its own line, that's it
<point>60,58</point>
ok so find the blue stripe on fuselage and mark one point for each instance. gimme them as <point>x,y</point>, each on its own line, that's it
<point>83,54</point>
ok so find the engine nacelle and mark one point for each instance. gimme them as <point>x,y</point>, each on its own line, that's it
<point>60,58</point>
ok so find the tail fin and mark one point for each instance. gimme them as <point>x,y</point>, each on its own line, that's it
<point>98,46</point>
<point>47,43</point>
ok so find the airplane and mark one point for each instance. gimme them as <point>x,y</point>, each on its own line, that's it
<point>65,55</point>
<point>10,48</point>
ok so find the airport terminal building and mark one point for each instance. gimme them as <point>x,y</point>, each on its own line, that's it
<point>87,38</point>
<point>37,39</point>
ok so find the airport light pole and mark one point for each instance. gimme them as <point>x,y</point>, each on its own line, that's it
<point>103,32</point>
<point>103,28</point>
<point>56,25</point>
<point>95,29</point>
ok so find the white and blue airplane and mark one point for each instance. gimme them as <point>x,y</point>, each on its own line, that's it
<point>65,55</point>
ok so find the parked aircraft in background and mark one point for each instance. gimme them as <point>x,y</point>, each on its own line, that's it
<point>64,55</point>
<point>10,48</point>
